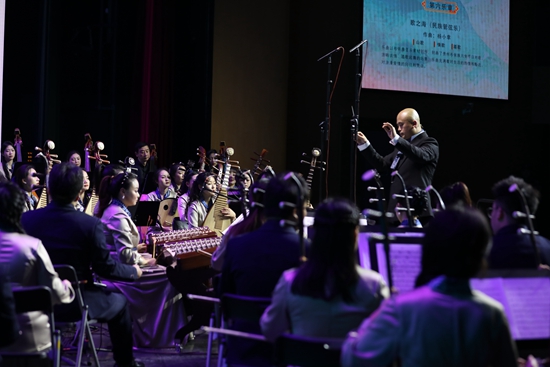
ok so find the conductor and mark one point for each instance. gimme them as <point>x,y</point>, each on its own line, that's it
<point>415,155</point>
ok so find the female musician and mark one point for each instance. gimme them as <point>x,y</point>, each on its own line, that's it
<point>329,294</point>
<point>27,179</point>
<point>188,181</point>
<point>74,158</point>
<point>82,198</point>
<point>121,233</point>
<point>177,175</point>
<point>164,190</point>
<point>8,157</point>
<point>201,199</point>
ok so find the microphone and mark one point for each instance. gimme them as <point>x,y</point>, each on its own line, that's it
<point>358,45</point>
<point>331,52</point>
<point>395,196</point>
<point>407,203</point>
<point>431,188</point>
<point>287,204</point>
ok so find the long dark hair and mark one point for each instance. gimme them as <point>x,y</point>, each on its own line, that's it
<point>21,174</point>
<point>196,190</point>
<point>330,271</point>
<point>12,202</point>
<point>110,187</point>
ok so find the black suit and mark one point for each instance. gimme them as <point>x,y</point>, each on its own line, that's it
<point>416,165</point>
<point>74,238</point>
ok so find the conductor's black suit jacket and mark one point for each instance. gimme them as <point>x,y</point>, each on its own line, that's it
<point>416,164</point>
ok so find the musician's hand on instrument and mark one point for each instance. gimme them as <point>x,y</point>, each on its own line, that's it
<point>361,138</point>
<point>151,262</point>
<point>389,129</point>
<point>142,247</point>
<point>228,213</point>
<point>138,270</point>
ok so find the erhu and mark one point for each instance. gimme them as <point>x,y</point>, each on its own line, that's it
<point>313,165</point>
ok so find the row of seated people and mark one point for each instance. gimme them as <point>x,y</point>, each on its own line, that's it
<point>263,262</point>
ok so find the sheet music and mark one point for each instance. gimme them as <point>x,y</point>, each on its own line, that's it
<point>526,302</point>
<point>405,261</point>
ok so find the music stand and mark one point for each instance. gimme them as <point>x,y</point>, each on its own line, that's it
<point>146,213</point>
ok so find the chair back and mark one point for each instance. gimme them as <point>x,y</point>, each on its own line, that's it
<point>36,298</point>
<point>303,351</point>
<point>244,308</point>
<point>70,312</point>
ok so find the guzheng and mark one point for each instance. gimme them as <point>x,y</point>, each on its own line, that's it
<point>193,247</point>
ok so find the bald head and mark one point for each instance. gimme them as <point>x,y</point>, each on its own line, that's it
<point>408,123</point>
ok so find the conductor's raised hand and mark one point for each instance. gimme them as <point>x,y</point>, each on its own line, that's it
<point>360,138</point>
<point>389,129</point>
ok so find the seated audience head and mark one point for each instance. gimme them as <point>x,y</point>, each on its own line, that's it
<point>65,182</point>
<point>455,244</point>
<point>456,194</point>
<point>282,188</point>
<point>123,187</point>
<point>26,177</point>
<point>419,203</point>
<point>330,270</point>
<point>12,202</point>
<point>506,202</point>
<point>143,152</point>
<point>74,158</point>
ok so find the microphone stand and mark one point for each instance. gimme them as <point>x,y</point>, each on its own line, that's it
<point>513,188</point>
<point>407,203</point>
<point>367,176</point>
<point>354,122</point>
<point>441,203</point>
<point>325,124</point>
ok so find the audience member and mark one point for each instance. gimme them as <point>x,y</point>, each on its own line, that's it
<point>444,323</point>
<point>255,261</point>
<point>25,261</point>
<point>74,238</point>
<point>513,248</point>
<point>330,294</point>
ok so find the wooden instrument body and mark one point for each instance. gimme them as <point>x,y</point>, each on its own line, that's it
<point>94,198</point>
<point>168,210</point>
<point>193,247</point>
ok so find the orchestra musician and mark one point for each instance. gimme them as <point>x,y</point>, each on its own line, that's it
<point>183,199</point>
<point>82,196</point>
<point>201,199</point>
<point>74,158</point>
<point>144,166</point>
<point>177,175</point>
<point>8,160</point>
<point>120,231</point>
<point>27,179</point>
<point>164,188</point>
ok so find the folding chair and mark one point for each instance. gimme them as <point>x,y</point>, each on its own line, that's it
<point>76,311</point>
<point>294,350</point>
<point>36,298</point>
<point>236,311</point>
